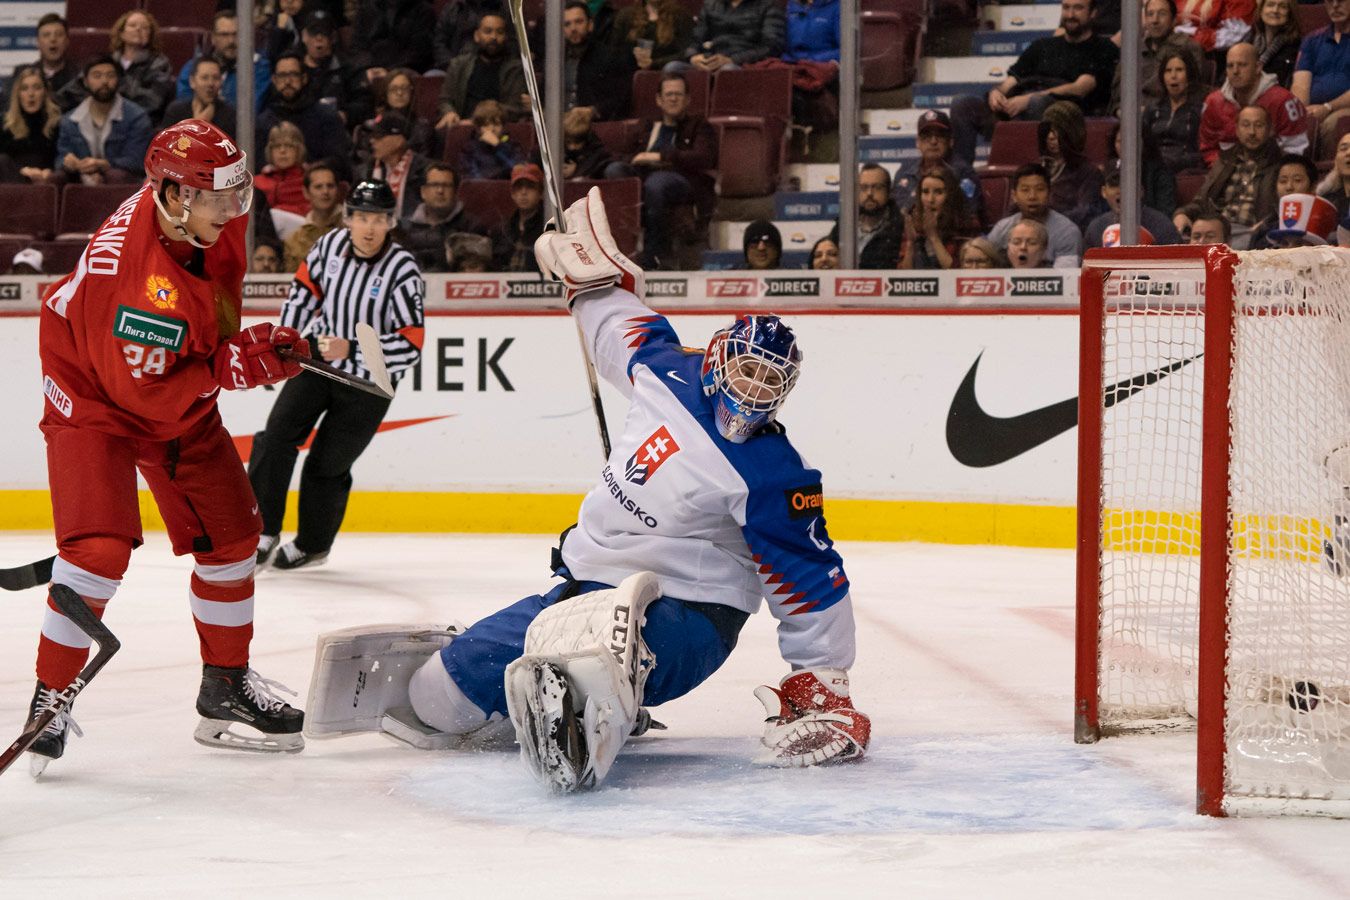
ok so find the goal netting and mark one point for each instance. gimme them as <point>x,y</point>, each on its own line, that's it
<point>1214,463</point>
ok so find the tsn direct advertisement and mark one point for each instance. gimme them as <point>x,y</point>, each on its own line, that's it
<point>915,387</point>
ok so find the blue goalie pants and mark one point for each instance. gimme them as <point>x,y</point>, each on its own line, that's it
<point>689,640</point>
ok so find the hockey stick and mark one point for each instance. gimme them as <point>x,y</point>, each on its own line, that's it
<point>373,356</point>
<point>319,367</point>
<point>21,578</point>
<point>555,196</point>
<point>75,609</point>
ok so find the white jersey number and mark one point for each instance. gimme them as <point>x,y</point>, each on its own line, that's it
<point>139,361</point>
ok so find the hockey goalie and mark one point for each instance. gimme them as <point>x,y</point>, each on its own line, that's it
<point>703,510</point>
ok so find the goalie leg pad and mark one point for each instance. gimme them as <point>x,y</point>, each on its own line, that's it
<point>361,673</point>
<point>574,696</point>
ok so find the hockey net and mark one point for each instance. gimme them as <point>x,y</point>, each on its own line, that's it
<point>1214,461</point>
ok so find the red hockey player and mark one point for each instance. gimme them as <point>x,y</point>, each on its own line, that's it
<point>135,346</point>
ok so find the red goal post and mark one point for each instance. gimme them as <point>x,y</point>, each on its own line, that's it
<point>1214,399</point>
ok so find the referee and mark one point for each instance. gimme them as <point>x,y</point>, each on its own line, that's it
<point>352,274</point>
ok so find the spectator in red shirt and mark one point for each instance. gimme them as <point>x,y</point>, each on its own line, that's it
<point>282,180</point>
<point>1247,85</point>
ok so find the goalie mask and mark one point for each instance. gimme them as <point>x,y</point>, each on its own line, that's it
<point>748,370</point>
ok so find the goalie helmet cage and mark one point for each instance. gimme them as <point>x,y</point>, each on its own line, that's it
<point>1214,396</point>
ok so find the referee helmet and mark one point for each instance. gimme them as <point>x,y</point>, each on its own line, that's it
<point>371,195</point>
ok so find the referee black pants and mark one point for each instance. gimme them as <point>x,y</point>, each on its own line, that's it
<point>350,420</point>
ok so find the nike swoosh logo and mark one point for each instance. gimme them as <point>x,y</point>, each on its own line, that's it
<point>979,440</point>
<point>672,374</point>
<point>243,443</point>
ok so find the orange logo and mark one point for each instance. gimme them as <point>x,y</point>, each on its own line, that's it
<point>161,292</point>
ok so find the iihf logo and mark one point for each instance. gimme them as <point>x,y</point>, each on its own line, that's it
<point>651,455</point>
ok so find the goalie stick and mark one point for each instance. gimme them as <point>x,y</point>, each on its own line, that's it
<point>21,578</point>
<point>75,609</point>
<point>555,197</point>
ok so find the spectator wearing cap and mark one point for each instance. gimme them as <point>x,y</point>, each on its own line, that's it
<point>391,34</point>
<point>225,49</point>
<point>733,33</point>
<point>1158,225</point>
<point>513,241</point>
<point>762,245</point>
<point>205,78</point>
<point>1322,74</point>
<point>492,153</point>
<point>103,140</point>
<point>396,93</point>
<point>393,161</point>
<point>335,84</point>
<point>595,75</point>
<point>935,149</point>
<point>1073,64</point>
<point>288,100</point>
<point>484,71</point>
<point>675,157</point>
<point>27,261</point>
<point>1303,220</point>
<point>440,214</point>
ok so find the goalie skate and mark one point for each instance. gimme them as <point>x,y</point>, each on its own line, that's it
<point>552,741</point>
<point>240,712</point>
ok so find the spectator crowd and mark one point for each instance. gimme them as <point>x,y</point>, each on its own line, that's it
<point>1245,124</point>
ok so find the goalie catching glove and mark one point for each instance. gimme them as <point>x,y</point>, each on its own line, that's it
<point>585,257</point>
<point>811,720</point>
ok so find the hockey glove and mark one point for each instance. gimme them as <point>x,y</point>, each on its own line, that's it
<point>585,257</point>
<point>250,358</point>
<point>811,720</point>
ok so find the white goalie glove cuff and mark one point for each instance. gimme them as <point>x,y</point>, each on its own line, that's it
<point>584,257</point>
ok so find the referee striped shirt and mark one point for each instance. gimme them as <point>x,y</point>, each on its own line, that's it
<point>334,290</point>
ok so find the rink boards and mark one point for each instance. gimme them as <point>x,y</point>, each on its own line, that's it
<point>494,432</point>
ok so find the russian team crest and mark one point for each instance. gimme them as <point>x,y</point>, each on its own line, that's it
<point>650,456</point>
<point>161,292</point>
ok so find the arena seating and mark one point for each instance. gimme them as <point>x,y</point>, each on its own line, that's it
<point>30,210</point>
<point>85,206</point>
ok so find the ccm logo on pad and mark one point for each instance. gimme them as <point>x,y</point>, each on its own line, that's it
<point>805,501</point>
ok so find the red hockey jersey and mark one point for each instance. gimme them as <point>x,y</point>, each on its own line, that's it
<point>127,339</point>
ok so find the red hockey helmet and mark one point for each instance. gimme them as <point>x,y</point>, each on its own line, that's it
<point>210,169</point>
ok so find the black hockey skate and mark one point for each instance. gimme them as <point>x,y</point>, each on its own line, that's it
<point>290,556</point>
<point>51,744</point>
<point>1336,551</point>
<point>267,546</point>
<point>242,697</point>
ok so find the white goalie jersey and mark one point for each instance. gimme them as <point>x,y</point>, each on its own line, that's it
<point>717,522</point>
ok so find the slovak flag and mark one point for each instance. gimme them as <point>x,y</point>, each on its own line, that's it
<point>1290,212</point>
<point>650,456</point>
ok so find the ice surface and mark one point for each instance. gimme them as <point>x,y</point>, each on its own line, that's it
<point>974,787</point>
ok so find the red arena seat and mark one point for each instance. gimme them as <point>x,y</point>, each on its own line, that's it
<point>60,257</point>
<point>85,206</point>
<point>182,13</point>
<point>30,210</point>
<point>623,206</point>
<point>488,199</point>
